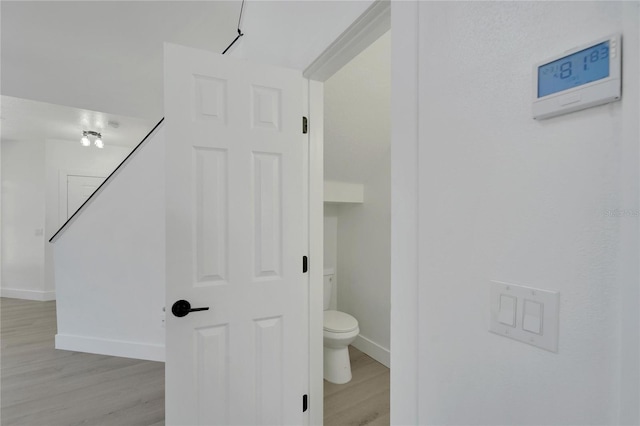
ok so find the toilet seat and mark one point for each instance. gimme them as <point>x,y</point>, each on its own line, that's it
<point>339,322</point>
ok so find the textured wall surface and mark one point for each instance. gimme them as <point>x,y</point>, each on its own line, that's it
<point>505,197</point>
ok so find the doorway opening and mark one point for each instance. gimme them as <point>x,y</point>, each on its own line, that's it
<point>357,231</point>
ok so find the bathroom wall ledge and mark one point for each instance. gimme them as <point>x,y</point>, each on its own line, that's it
<point>342,192</point>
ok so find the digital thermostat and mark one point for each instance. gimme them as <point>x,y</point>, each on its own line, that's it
<point>580,78</point>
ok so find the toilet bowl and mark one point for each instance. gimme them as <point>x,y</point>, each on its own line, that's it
<point>340,330</point>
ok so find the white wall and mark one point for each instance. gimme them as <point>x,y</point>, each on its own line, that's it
<point>331,245</point>
<point>404,379</point>
<point>503,197</point>
<point>30,195</point>
<point>364,232</point>
<point>109,264</point>
<point>1,233</point>
<point>69,156</point>
<point>357,106</point>
<point>23,216</point>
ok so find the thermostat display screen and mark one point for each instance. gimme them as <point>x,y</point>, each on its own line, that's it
<point>574,70</point>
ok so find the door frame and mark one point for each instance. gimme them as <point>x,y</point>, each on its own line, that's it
<point>373,23</point>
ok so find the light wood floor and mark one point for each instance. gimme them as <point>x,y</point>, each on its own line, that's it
<point>362,401</point>
<point>44,386</point>
<point>40,385</point>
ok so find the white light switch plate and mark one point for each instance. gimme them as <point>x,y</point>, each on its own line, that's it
<point>550,302</point>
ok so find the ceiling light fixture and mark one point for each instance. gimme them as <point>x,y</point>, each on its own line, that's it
<point>85,138</point>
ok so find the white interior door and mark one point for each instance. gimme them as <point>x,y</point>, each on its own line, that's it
<point>79,189</point>
<point>235,241</point>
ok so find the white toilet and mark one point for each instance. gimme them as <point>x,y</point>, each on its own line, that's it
<point>340,329</point>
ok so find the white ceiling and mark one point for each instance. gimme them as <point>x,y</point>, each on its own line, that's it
<point>103,55</point>
<point>65,123</point>
<point>294,33</point>
<point>357,108</point>
<point>107,55</point>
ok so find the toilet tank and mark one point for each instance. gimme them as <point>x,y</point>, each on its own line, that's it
<point>328,286</point>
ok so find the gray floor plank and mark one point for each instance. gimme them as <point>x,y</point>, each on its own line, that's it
<point>40,385</point>
<point>362,401</point>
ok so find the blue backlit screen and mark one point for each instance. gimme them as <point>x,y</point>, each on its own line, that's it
<point>579,68</point>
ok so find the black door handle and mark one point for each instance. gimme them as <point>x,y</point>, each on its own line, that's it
<point>182,308</point>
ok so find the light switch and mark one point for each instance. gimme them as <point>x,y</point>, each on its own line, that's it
<point>507,313</point>
<point>532,316</point>
<point>526,314</point>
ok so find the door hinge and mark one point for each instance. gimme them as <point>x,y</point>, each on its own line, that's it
<point>305,403</point>
<point>305,264</point>
<point>305,125</point>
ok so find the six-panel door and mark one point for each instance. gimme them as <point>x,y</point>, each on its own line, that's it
<point>234,205</point>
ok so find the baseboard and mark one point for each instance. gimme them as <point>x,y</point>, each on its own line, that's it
<point>110,347</point>
<point>374,350</point>
<point>16,293</point>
